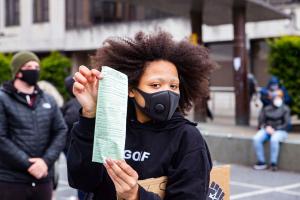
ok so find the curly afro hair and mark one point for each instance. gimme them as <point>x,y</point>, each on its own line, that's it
<point>131,57</point>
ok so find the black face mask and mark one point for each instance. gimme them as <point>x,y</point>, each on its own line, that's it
<point>159,106</point>
<point>30,76</point>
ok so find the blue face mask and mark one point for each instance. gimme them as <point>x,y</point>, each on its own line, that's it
<point>159,106</point>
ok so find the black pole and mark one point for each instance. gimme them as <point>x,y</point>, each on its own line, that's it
<point>240,65</point>
<point>196,23</point>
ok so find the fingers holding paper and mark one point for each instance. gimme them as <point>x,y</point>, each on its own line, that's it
<point>124,178</point>
<point>87,78</point>
<point>86,89</point>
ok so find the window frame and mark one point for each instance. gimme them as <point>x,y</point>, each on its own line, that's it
<point>12,13</point>
<point>40,11</point>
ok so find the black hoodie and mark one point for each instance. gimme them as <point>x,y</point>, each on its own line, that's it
<point>174,148</point>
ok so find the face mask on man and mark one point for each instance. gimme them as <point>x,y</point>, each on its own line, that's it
<point>31,77</point>
<point>278,102</point>
<point>159,106</point>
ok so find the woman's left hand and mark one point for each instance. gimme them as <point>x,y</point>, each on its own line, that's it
<point>124,178</point>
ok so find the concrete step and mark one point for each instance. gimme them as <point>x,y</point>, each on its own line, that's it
<point>234,145</point>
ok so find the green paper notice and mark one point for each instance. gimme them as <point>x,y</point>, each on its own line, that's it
<point>110,127</point>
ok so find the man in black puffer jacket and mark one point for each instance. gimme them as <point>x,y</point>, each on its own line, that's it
<point>32,133</point>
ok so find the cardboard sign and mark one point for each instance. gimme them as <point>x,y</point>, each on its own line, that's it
<point>155,185</point>
<point>218,190</point>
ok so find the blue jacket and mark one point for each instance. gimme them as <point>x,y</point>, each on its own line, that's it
<point>264,96</point>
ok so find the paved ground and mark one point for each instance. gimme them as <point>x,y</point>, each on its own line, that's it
<point>64,191</point>
<point>246,184</point>
<point>249,184</point>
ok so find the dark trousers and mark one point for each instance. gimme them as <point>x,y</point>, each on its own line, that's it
<point>22,191</point>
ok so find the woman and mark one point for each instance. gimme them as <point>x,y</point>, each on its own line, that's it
<point>160,70</point>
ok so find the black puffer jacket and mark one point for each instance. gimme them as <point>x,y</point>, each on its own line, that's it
<point>26,132</point>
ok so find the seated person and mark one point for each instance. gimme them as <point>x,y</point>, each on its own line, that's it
<point>273,122</point>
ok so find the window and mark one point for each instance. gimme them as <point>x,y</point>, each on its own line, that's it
<point>77,13</point>
<point>86,13</point>
<point>222,52</point>
<point>112,11</point>
<point>106,11</point>
<point>12,15</point>
<point>40,11</point>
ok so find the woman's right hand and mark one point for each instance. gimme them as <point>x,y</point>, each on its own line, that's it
<point>85,89</point>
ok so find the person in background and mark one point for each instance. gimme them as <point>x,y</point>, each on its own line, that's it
<point>273,89</point>
<point>50,89</point>
<point>70,112</point>
<point>32,133</point>
<point>273,122</point>
<point>252,84</point>
<point>267,93</point>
